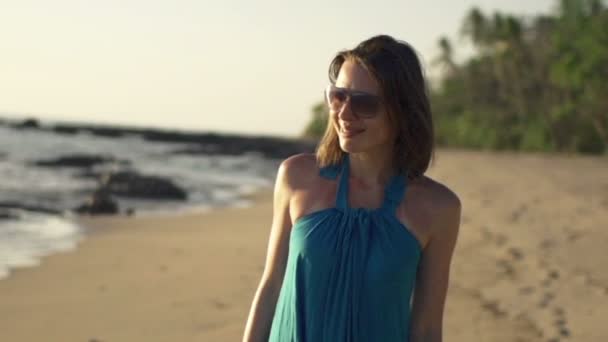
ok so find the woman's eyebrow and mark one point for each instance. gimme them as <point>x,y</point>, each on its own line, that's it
<point>359,92</point>
<point>354,90</point>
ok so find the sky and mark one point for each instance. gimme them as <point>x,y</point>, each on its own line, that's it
<point>247,67</point>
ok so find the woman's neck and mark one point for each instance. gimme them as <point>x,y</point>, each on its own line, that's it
<point>371,168</point>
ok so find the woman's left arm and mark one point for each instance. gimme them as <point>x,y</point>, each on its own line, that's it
<point>433,272</point>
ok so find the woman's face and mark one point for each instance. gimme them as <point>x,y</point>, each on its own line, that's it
<point>358,134</point>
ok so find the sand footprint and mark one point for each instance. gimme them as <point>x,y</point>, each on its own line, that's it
<point>546,300</point>
<point>551,276</point>
<point>563,330</point>
<point>219,304</point>
<point>547,244</point>
<point>561,323</point>
<point>505,267</point>
<point>498,238</point>
<point>493,307</point>
<point>526,290</point>
<point>518,213</point>
<point>515,253</point>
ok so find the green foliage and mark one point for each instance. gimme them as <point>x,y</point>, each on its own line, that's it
<point>316,127</point>
<point>534,84</point>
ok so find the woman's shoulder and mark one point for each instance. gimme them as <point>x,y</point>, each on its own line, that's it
<point>300,169</point>
<point>436,199</point>
<point>301,162</point>
<point>434,191</point>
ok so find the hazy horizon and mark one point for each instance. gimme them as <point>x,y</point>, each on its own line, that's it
<point>238,67</point>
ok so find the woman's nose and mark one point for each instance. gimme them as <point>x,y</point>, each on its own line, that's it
<point>346,112</point>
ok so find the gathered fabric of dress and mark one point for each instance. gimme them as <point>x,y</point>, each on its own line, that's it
<point>350,272</point>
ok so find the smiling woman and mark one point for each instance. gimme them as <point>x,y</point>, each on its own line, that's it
<point>358,226</point>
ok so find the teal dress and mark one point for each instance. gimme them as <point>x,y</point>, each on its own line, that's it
<point>350,272</point>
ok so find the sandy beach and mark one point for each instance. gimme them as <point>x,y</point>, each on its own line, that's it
<point>528,265</point>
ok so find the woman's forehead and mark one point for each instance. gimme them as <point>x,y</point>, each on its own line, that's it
<point>355,77</point>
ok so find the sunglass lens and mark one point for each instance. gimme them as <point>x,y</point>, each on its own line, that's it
<point>365,105</point>
<point>336,98</point>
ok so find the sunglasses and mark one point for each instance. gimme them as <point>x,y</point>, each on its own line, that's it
<point>363,105</point>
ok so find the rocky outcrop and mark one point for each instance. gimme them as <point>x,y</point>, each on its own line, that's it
<point>100,202</point>
<point>127,184</point>
<point>132,184</point>
<point>27,123</point>
<point>78,160</point>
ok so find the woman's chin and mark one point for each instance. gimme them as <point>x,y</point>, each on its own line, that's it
<point>362,145</point>
<point>350,146</point>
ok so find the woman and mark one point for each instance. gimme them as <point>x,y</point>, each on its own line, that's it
<point>357,226</point>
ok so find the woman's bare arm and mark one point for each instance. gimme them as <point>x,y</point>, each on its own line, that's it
<point>433,272</point>
<point>258,324</point>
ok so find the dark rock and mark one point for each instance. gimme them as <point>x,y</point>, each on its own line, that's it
<point>132,184</point>
<point>28,123</point>
<point>95,130</point>
<point>88,174</point>
<point>7,214</point>
<point>208,149</point>
<point>61,129</point>
<point>268,147</point>
<point>78,160</point>
<point>107,132</point>
<point>99,203</point>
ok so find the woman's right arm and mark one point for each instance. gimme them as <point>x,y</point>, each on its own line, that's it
<point>262,309</point>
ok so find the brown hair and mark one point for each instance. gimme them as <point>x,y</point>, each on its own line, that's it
<point>395,66</point>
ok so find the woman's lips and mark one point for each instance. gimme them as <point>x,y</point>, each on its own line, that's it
<point>350,132</point>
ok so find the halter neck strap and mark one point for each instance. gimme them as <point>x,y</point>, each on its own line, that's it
<point>393,192</point>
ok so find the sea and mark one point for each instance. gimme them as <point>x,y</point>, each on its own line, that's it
<point>26,236</point>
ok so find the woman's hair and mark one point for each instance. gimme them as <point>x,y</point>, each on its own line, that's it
<point>395,66</point>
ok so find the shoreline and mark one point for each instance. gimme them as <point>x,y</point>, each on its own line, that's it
<point>83,223</point>
<point>91,224</point>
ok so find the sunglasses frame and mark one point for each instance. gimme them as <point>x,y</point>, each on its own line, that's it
<point>349,95</point>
